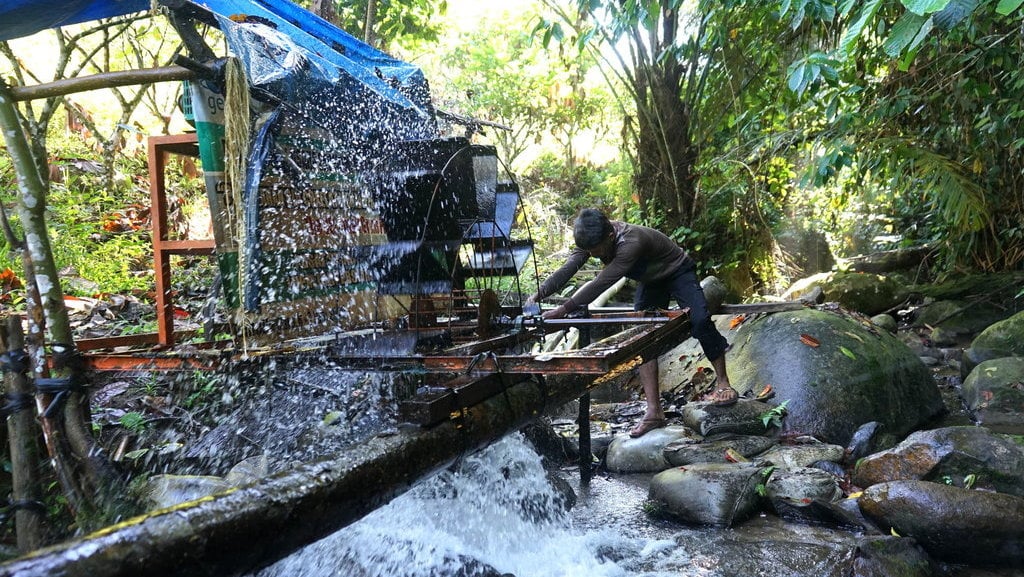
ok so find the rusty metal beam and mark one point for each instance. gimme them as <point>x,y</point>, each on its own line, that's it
<point>597,359</point>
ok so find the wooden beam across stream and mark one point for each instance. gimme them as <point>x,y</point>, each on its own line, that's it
<point>241,530</point>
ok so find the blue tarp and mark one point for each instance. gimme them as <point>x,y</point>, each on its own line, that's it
<point>25,17</point>
<point>335,53</point>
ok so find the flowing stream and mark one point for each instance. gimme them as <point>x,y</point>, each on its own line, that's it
<point>493,513</point>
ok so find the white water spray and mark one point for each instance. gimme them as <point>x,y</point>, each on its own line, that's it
<point>495,513</point>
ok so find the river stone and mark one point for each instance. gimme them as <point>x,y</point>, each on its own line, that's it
<point>955,316</point>
<point>951,523</point>
<point>886,322</point>
<point>643,454</point>
<point>856,375</point>
<point>869,294</point>
<point>941,337</point>
<point>954,452</point>
<point>1002,339</point>
<point>994,391</point>
<point>793,492</point>
<point>743,418</point>
<point>804,454</point>
<point>866,440</point>
<point>712,449</point>
<point>169,490</point>
<point>887,556</point>
<point>708,493</point>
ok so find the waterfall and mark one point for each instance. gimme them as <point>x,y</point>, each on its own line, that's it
<point>493,513</point>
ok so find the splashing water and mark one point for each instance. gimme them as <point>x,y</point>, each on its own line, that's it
<point>494,513</point>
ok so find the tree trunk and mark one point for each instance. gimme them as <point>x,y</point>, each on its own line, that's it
<point>325,10</point>
<point>666,156</point>
<point>22,432</point>
<point>370,24</point>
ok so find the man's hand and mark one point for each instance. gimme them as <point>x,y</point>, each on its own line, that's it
<point>555,313</point>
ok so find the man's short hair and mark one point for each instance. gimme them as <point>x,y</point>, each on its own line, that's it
<point>591,228</point>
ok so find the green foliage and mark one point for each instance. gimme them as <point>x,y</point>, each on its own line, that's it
<point>204,389</point>
<point>762,487</point>
<point>394,22</point>
<point>134,422</point>
<point>773,417</point>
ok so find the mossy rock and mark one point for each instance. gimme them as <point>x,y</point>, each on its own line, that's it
<point>869,294</point>
<point>836,371</point>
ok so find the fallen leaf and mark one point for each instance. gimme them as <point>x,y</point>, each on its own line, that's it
<point>848,353</point>
<point>737,321</point>
<point>734,456</point>
<point>809,341</point>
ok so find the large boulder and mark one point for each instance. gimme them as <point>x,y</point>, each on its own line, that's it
<point>994,391</point>
<point>836,371</point>
<point>951,523</point>
<point>869,294</point>
<point>1002,339</point>
<point>949,455</point>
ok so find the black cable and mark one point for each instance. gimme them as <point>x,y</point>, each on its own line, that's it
<point>15,361</point>
<point>16,402</point>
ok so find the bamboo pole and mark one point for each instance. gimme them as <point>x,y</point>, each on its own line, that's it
<point>67,86</point>
<point>21,429</point>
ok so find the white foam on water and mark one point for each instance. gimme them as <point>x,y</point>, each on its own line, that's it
<point>493,513</point>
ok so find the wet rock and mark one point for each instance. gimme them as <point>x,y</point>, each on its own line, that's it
<point>881,556</point>
<point>869,294</point>
<point>830,467</point>
<point>994,391</point>
<point>644,454</point>
<point>803,454</point>
<point>708,493</point>
<point>743,418</point>
<point>797,494</point>
<point>951,523</point>
<point>1002,339</point>
<point>941,337</point>
<point>846,513</point>
<point>949,454</point>
<point>549,444</point>
<point>865,440</point>
<point>837,372</point>
<point>885,322</point>
<point>713,449</point>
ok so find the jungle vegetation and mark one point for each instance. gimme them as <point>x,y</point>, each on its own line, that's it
<point>731,125</point>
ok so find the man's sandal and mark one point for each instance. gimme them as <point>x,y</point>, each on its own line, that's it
<point>722,397</point>
<point>646,426</point>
